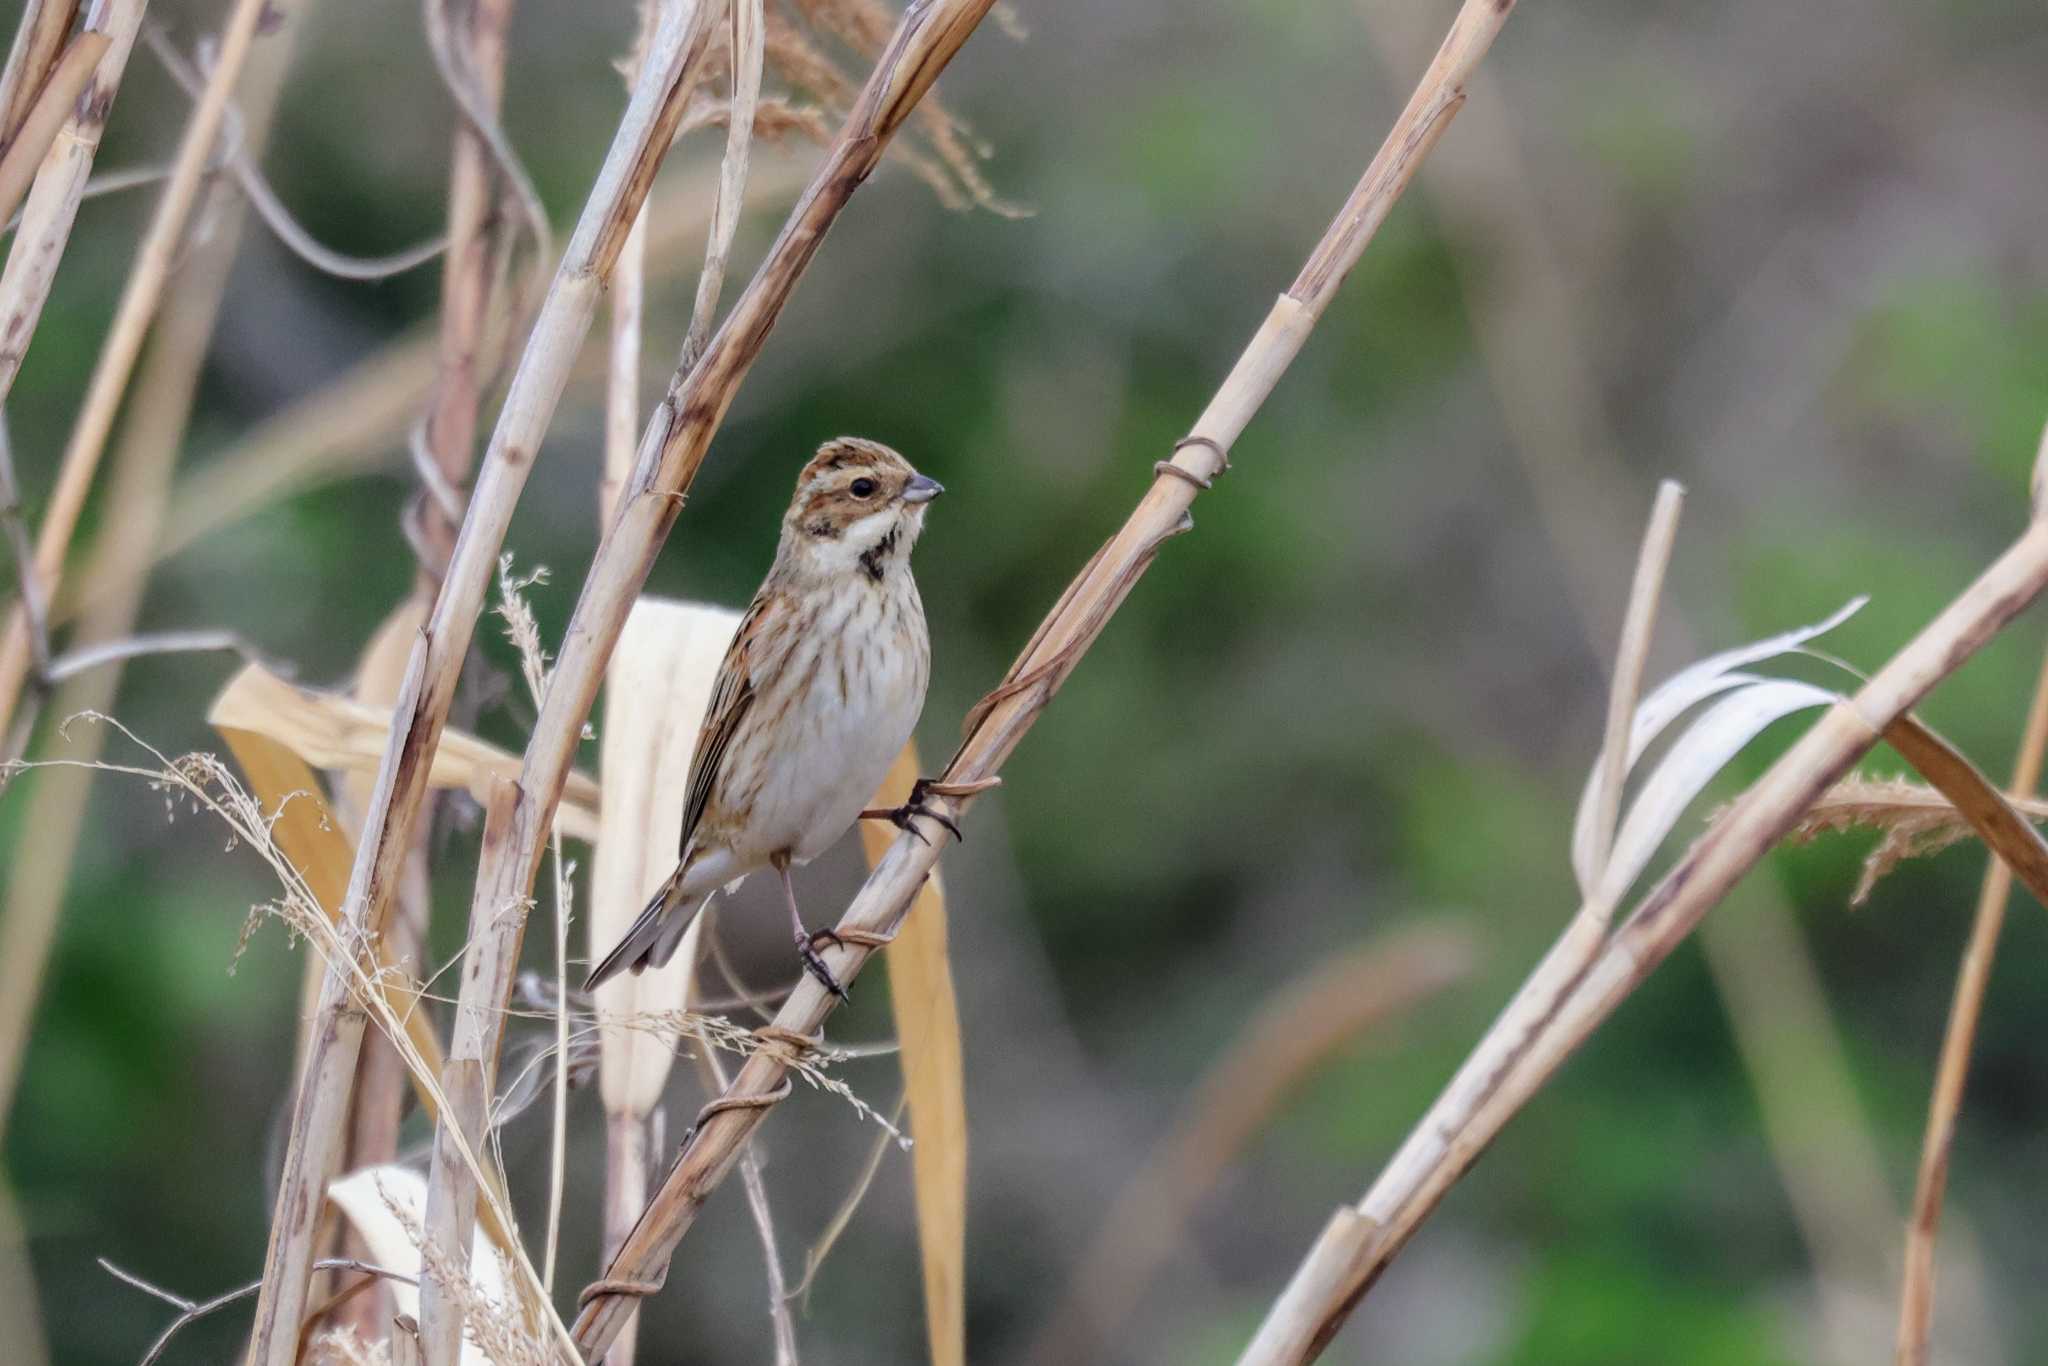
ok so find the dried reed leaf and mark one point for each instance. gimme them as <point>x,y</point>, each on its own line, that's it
<point>655,694</point>
<point>1707,746</point>
<point>1916,822</point>
<point>934,1083</point>
<point>1599,878</point>
<point>2002,828</point>
<point>305,832</point>
<point>387,1207</point>
<point>333,732</point>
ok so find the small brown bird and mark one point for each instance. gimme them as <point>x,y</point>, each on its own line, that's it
<point>820,688</point>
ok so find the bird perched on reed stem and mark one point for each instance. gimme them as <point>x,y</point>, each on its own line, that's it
<point>820,688</point>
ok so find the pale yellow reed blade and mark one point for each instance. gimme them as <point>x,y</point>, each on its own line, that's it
<point>333,732</point>
<point>934,1082</point>
<point>655,695</point>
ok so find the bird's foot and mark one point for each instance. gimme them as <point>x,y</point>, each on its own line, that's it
<point>919,805</point>
<point>814,962</point>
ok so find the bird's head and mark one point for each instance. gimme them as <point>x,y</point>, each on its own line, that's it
<point>858,506</point>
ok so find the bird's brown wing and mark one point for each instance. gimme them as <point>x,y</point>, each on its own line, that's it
<point>731,697</point>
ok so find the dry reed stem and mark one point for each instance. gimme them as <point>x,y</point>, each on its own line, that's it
<point>1916,1295</point>
<point>622,374</point>
<point>462,1079</point>
<point>1631,656</point>
<point>748,40</point>
<point>2008,835</point>
<point>639,145</point>
<point>1000,721</point>
<point>48,115</point>
<point>144,460</point>
<point>626,1139</point>
<point>37,41</point>
<point>466,290</point>
<point>46,219</point>
<point>380,1075</point>
<point>1294,1032</point>
<point>490,962</point>
<point>1568,995</point>
<point>138,307</point>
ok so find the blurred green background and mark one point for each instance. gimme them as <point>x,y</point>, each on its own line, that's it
<point>1790,255</point>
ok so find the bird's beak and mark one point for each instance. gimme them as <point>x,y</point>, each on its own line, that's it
<point>922,489</point>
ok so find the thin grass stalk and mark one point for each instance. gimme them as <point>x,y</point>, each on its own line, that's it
<point>140,300</point>
<point>1632,655</point>
<point>37,41</point>
<point>52,207</point>
<point>1916,1297</point>
<point>1001,720</point>
<point>144,462</point>
<point>565,316</point>
<point>1552,1015</point>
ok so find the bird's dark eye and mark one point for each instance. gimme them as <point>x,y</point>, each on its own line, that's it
<point>862,488</point>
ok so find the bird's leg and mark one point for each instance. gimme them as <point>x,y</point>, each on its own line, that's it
<point>807,941</point>
<point>917,805</point>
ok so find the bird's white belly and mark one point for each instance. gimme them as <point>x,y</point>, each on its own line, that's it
<point>816,786</point>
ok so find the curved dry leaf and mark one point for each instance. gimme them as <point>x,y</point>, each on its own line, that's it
<point>1717,673</point>
<point>333,732</point>
<point>1703,751</point>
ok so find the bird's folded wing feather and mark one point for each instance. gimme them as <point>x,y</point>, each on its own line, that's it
<point>731,696</point>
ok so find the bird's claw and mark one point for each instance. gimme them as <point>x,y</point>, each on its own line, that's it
<point>814,962</point>
<point>901,816</point>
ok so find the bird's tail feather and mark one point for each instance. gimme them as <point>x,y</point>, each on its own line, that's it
<point>653,939</point>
